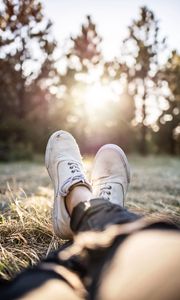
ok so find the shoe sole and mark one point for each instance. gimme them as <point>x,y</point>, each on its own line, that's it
<point>120,153</point>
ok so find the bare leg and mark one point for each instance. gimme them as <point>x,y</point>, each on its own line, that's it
<point>76,195</point>
<point>146,266</point>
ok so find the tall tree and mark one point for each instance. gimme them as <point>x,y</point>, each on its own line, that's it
<point>26,62</point>
<point>86,46</point>
<point>168,133</point>
<point>83,55</point>
<point>142,47</point>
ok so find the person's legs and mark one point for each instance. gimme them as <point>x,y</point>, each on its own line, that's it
<point>110,178</point>
<point>119,257</point>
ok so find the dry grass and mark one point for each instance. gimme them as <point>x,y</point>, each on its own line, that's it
<point>26,200</point>
<point>26,231</point>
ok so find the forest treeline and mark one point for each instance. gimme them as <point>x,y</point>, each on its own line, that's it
<point>132,100</point>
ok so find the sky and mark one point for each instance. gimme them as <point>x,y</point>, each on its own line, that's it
<point>112,18</point>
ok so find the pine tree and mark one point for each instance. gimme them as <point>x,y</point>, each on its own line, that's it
<point>26,62</point>
<point>168,122</point>
<point>142,48</point>
<point>86,46</point>
<point>83,55</point>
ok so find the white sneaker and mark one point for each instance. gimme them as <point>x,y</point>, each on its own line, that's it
<point>64,164</point>
<point>111,174</point>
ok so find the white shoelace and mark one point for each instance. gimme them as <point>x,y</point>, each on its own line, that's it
<point>105,191</point>
<point>74,166</point>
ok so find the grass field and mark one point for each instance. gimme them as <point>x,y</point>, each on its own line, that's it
<point>26,199</point>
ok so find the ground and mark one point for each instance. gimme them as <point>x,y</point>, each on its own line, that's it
<point>26,197</point>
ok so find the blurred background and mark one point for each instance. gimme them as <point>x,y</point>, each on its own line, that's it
<point>107,71</point>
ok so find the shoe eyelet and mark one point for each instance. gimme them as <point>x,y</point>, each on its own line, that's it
<point>72,171</point>
<point>110,187</point>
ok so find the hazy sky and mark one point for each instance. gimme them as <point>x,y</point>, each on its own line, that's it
<point>112,18</point>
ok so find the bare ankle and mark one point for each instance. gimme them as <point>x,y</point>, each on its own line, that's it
<point>78,193</point>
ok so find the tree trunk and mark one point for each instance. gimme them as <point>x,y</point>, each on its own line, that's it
<point>143,129</point>
<point>172,146</point>
<point>143,144</point>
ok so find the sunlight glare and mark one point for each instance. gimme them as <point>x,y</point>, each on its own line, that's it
<point>98,95</point>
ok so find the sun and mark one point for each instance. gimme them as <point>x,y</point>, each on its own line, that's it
<point>97,96</point>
